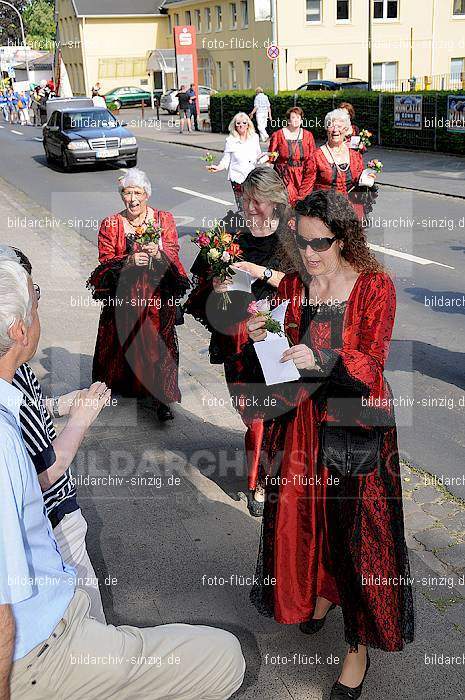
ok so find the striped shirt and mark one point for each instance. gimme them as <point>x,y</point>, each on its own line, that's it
<point>38,434</point>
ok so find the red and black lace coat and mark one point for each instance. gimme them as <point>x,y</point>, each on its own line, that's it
<point>295,163</point>
<point>136,352</point>
<point>329,177</point>
<point>323,539</point>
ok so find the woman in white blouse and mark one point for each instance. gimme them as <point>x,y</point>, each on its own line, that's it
<point>242,154</point>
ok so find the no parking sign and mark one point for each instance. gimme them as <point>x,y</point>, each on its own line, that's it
<point>272,52</point>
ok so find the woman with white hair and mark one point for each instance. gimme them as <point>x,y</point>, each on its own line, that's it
<point>339,167</point>
<point>242,154</point>
<point>140,281</point>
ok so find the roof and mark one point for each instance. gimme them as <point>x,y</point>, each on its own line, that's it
<point>103,8</point>
<point>43,62</point>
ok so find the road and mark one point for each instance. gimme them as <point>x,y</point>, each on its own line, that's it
<point>419,236</point>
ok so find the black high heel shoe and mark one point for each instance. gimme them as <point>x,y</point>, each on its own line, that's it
<point>164,413</point>
<point>340,691</point>
<point>313,626</point>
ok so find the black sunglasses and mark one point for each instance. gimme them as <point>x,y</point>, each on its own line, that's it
<point>319,245</point>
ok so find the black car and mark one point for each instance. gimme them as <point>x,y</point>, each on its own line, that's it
<point>75,136</point>
<point>337,84</point>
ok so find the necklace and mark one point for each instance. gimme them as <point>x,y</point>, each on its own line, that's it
<point>133,225</point>
<point>342,167</point>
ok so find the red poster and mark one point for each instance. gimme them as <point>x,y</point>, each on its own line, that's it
<point>185,45</point>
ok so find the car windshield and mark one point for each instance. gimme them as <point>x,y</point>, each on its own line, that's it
<point>90,119</point>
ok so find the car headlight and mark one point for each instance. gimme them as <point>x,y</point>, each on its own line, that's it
<point>128,141</point>
<point>78,145</point>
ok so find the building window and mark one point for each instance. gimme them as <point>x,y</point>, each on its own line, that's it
<point>219,18</point>
<point>313,11</point>
<point>232,75</point>
<point>343,10</point>
<point>208,19</point>
<point>245,13</point>
<point>313,74</point>
<point>233,11</point>
<point>219,75</point>
<point>386,9</point>
<point>198,20</point>
<point>344,70</point>
<point>384,74</point>
<point>459,8</point>
<point>170,25</point>
<point>188,18</point>
<point>176,19</point>
<point>247,76</point>
<point>457,69</point>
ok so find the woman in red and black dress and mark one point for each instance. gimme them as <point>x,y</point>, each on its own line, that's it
<point>339,167</point>
<point>349,108</point>
<point>295,162</point>
<point>332,526</point>
<point>136,353</point>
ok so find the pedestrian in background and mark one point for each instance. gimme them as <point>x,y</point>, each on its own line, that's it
<point>4,105</point>
<point>12,100</point>
<point>262,110</point>
<point>184,109</point>
<point>349,108</point>
<point>23,108</point>
<point>193,112</point>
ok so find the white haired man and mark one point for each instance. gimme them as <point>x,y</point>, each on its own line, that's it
<point>44,621</point>
<point>262,110</point>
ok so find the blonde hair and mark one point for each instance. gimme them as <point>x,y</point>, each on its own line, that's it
<point>232,125</point>
<point>338,115</point>
<point>259,89</point>
<point>264,185</point>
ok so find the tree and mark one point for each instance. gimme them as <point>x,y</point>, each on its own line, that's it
<point>10,30</point>
<point>39,21</point>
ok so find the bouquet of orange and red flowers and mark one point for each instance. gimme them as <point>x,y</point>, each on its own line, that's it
<point>219,251</point>
<point>148,233</point>
<point>365,139</point>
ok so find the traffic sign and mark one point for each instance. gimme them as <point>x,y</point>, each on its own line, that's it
<point>272,52</point>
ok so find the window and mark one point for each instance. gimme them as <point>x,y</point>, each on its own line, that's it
<point>386,9</point>
<point>245,13</point>
<point>232,75</point>
<point>457,70</point>
<point>176,19</point>
<point>198,20</point>
<point>313,10</point>
<point>208,19</point>
<point>219,75</point>
<point>343,10</point>
<point>313,74</point>
<point>459,8</point>
<point>219,18</point>
<point>384,74</point>
<point>188,18</point>
<point>344,70</point>
<point>233,11</point>
<point>247,76</point>
<point>170,25</point>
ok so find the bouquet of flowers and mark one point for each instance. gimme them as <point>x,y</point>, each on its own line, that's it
<point>365,139</point>
<point>149,233</point>
<point>208,158</point>
<point>376,165</point>
<point>262,308</point>
<point>220,252</point>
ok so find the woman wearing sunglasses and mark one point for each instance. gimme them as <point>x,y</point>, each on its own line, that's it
<point>333,519</point>
<point>242,154</point>
<point>264,238</point>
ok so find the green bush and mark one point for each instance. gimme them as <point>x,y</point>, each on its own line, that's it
<point>316,105</point>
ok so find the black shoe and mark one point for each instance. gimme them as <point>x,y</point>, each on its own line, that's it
<point>164,413</point>
<point>343,692</point>
<point>255,507</point>
<point>313,626</point>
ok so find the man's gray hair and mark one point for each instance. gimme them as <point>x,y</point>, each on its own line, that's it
<point>15,298</point>
<point>135,178</point>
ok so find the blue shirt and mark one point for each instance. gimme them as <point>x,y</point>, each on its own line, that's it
<point>34,580</point>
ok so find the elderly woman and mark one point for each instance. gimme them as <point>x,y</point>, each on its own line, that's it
<point>333,520</point>
<point>140,280</point>
<point>294,148</point>
<point>264,239</point>
<point>337,166</point>
<point>242,154</point>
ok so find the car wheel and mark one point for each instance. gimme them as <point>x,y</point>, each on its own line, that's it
<point>117,104</point>
<point>66,162</point>
<point>131,162</point>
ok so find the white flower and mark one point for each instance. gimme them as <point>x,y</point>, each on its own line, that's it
<point>263,306</point>
<point>213,254</point>
<point>226,256</point>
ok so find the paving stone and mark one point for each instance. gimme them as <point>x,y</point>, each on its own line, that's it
<point>440,510</point>
<point>455,522</point>
<point>453,556</point>
<point>434,538</point>
<point>413,479</point>
<point>426,495</point>
<point>411,507</point>
<point>418,520</point>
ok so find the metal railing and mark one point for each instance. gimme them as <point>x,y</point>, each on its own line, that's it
<point>445,81</point>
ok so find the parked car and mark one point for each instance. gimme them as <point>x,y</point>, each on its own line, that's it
<point>336,84</point>
<point>169,101</point>
<point>87,135</point>
<point>130,97</point>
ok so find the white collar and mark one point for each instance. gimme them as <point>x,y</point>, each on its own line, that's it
<point>11,398</point>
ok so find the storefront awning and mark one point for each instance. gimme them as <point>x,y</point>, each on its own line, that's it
<point>161,60</point>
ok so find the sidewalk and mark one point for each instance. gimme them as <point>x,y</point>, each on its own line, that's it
<point>417,170</point>
<point>169,538</point>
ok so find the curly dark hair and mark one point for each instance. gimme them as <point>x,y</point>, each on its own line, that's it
<point>334,210</point>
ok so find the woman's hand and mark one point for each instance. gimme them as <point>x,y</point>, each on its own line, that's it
<point>65,402</point>
<point>253,269</point>
<point>141,259</point>
<point>221,287</point>
<point>256,328</point>
<point>301,355</point>
<point>88,403</point>
<point>153,250</point>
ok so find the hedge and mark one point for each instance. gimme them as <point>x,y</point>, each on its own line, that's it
<point>374,111</point>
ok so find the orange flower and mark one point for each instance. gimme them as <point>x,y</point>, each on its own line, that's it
<point>226,238</point>
<point>234,249</point>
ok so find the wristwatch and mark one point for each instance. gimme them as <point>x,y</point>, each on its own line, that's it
<point>268,274</point>
<point>55,409</point>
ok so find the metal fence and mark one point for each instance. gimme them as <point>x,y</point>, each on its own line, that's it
<point>445,81</point>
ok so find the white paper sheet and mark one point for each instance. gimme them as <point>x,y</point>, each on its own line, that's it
<point>365,179</point>
<point>355,142</point>
<point>279,312</point>
<point>269,353</point>
<point>241,282</point>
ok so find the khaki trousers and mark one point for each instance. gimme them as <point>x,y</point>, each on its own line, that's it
<point>84,659</point>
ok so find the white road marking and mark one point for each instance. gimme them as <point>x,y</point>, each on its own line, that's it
<point>1,127</point>
<point>37,138</point>
<point>202,196</point>
<point>20,133</point>
<point>407,256</point>
<point>124,170</point>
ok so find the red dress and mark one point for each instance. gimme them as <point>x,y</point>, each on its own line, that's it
<point>329,177</point>
<point>136,352</point>
<point>295,163</point>
<point>323,539</point>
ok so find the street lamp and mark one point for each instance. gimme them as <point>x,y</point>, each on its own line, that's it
<point>3,2</point>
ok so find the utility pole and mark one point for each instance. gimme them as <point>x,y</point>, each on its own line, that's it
<point>370,38</point>
<point>26,58</point>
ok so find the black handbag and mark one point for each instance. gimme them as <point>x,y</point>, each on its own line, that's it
<point>350,451</point>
